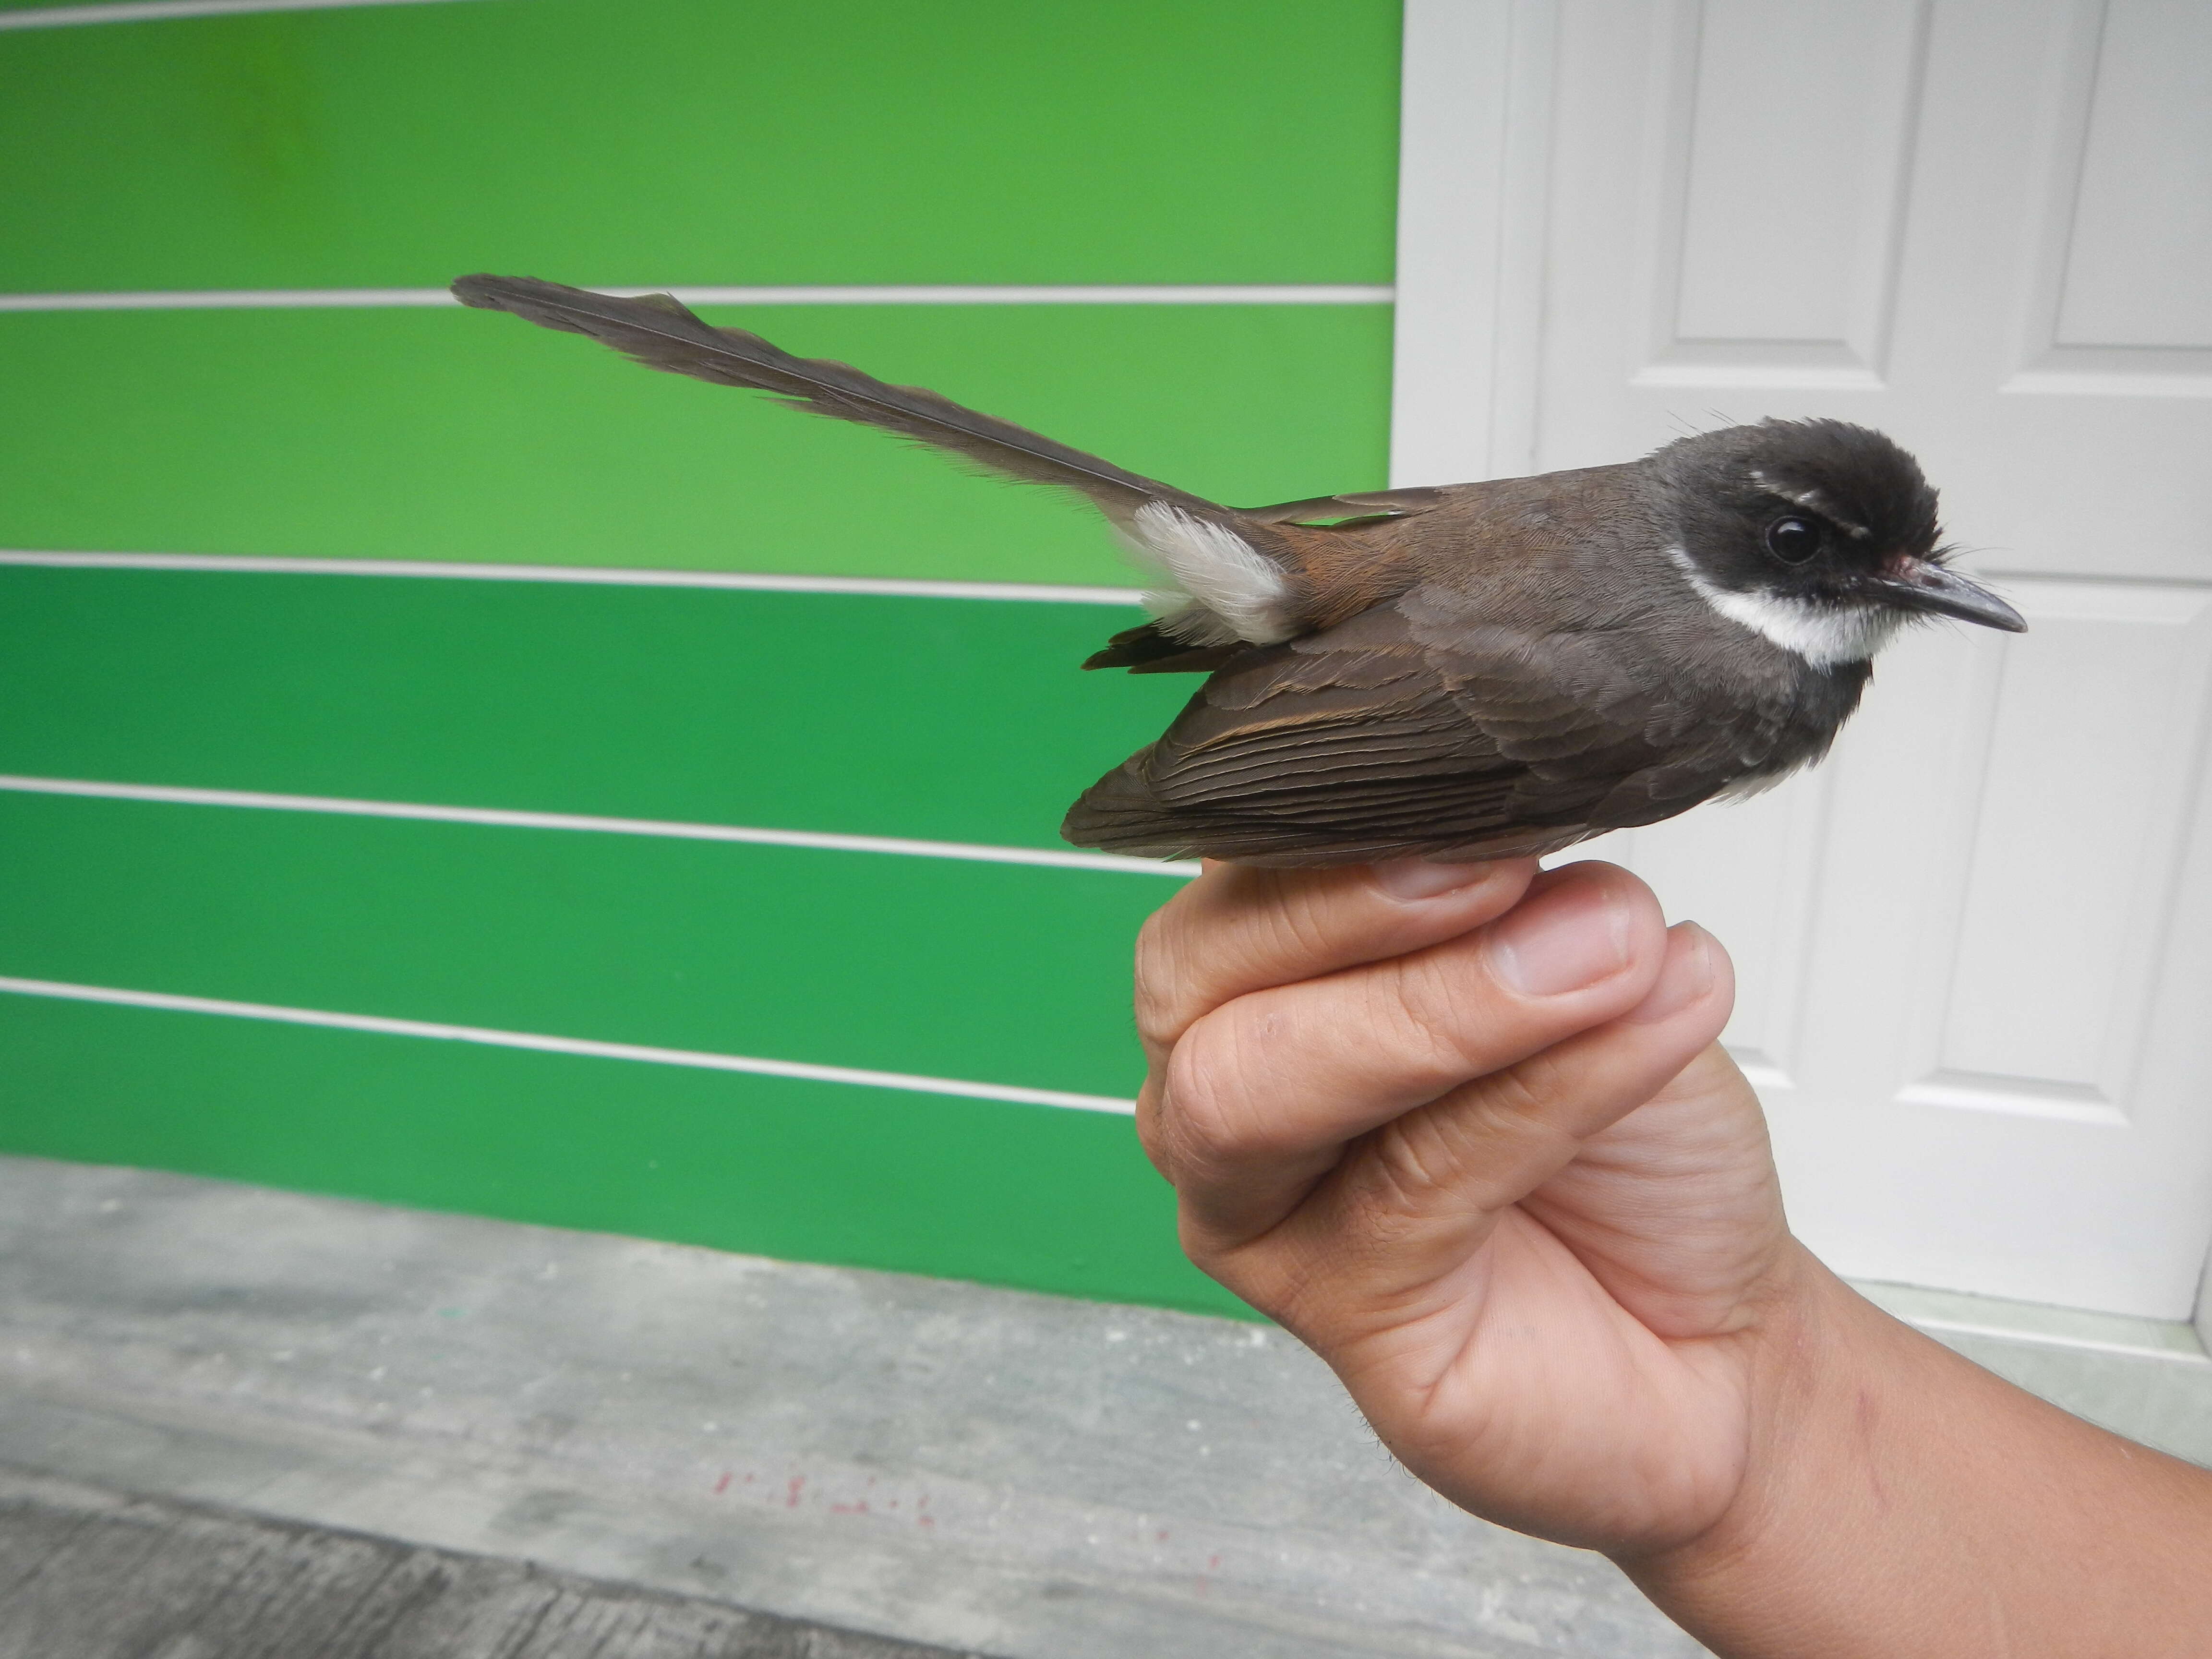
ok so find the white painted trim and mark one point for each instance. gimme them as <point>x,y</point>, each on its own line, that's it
<point>227,299</point>
<point>1473,148</point>
<point>2046,1339</point>
<point>2203,1321</point>
<point>154,11</point>
<point>174,795</point>
<point>584,1047</point>
<point>1090,294</point>
<point>751,581</point>
<point>1958,1313</point>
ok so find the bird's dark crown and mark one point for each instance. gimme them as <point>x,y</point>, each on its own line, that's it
<point>1809,509</point>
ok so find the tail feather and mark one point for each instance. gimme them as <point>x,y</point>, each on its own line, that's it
<point>661,332</point>
<point>1148,648</point>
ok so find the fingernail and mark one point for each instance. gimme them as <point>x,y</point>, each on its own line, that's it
<point>1408,880</point>
<point>1684,978</point>
<point>1574,935</point>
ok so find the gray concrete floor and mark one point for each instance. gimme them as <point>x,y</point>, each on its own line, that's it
<point>90,1574</point>
<point>982,1470</point>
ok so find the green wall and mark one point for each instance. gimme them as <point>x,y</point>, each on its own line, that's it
<point>710,141</point>
<point>675,142</point>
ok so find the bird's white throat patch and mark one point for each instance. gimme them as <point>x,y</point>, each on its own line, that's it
<point>1245,593</point>
<point>1823,634</point>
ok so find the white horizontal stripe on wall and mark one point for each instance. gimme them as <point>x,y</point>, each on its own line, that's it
<point>560,1045</point>
<point>338,806</point>
<point>615,575</point>
<point>154,11</point>
<point>1073,294</point>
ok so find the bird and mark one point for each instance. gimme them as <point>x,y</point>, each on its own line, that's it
<point>1460,672</point>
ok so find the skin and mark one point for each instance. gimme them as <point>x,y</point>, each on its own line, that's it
<point>1477,1146</point>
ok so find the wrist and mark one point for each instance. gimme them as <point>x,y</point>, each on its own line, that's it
<point>1818,1361</point>
<point>1899,1501</point>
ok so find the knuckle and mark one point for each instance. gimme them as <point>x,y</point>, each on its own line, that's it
<point>1162,992</point>
<point>1152,1134</point>
<point>1298,931</point>
<point>1417,1176</point>
<point>1211,1118</point>
<point>1380,1232</point>
<point>1191,958</point>
<point>1207,1250</point>
<point>1412,1163</point>
<point>1434,1009</point>
<point>1511,1120</point>
<point>1528,1096</point>
<point>1198,1126</point>
<point>1385,1229</point>
<point>1299,1285</point>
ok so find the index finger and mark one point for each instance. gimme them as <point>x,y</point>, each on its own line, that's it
<point>1239,928</point>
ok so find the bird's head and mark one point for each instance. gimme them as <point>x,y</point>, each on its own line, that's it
<point>1819,534</point>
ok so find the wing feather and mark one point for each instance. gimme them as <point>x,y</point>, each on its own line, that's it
<point>1364,741</point>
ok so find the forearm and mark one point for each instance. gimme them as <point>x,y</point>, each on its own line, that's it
<point>1903,1502</point>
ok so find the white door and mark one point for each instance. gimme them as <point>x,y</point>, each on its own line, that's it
<point>1976,947</point>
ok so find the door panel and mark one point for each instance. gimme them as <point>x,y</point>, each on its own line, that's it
<point>2136,112</point>
<point>1776,234</point>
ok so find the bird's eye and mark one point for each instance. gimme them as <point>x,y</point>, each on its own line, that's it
<point>1793,541</point>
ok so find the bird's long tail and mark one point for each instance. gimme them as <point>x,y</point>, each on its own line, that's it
<point>661,332</point>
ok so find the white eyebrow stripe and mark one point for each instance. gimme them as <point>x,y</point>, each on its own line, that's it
<point>1812,500</point>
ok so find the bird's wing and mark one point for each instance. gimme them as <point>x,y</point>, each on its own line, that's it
<point>1364,741</point>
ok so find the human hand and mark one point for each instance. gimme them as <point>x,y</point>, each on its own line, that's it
<point>1476,1146</point>
<point>1478,1149</point>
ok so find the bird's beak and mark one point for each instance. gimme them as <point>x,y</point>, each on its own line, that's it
<point>1922,584</point>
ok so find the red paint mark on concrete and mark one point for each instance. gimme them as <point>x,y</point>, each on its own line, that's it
<point>798,1484</point>
<point>860,1508</point>
<point>723,1485</point>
